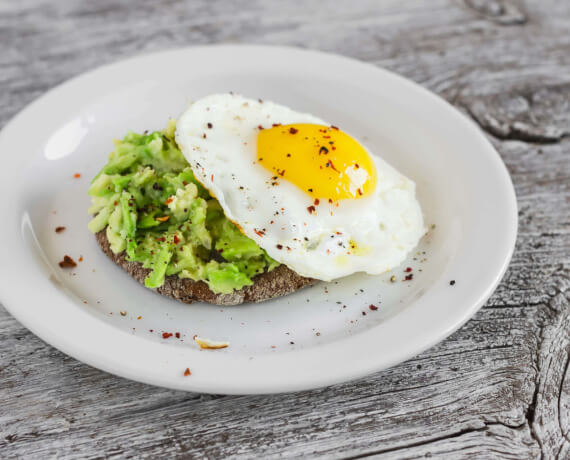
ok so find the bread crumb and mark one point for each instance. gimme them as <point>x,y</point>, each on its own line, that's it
<point>208,344</point>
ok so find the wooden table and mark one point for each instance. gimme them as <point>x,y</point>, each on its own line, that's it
<point>498,388</point>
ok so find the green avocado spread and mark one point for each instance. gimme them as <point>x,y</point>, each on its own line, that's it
<point>150,205</point>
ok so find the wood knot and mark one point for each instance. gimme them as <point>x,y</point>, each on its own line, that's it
<point>502,12</point>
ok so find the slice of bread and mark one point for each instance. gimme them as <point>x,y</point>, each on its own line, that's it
<point>278,282</point>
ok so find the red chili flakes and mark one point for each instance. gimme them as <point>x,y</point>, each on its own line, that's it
<point>356,165</point>
<point>279,246</point>
<point>259,232</point>
<point>163,218</point>
<point>212,178</point>
<point>177,335</point>
<point>373,307</point>
<point>204,136</point>
<point>166,335</point>
<point>363,313</point>
<point>330,163</point>
<point>77,175</point>
<point>311,209</point>
<point>409,277</point>
<point>334,127</point>
<point>408,269</point>
<point>260,127</point>
<point>59,229</point>
<point>67,262</point>
<point>210,125</point>
<point>169,200</point>
<point>316,202</point>
<point>323,150</point>
<point>293,130</point>
<point>281,173</point>
<point>80,259</point>
<point>115,203</point>
<point>187,372</point>
<point>176,239</point>
<point>330,200</point>
<point>359,191</point>
<point>452,283</point>
<point>276,124</point>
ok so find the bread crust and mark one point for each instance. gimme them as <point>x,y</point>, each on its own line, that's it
<point>276,283</point>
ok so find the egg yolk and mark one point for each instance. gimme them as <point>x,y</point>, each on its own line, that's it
<point>321,160</point>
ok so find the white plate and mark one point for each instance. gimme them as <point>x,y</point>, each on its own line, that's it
<point>462,185</point>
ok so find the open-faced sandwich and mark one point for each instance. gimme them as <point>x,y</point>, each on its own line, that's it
<point>245,200</point>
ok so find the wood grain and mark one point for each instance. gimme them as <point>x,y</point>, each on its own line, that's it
<point>497,388</point>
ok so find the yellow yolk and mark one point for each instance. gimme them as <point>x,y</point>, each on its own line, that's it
<point>321,160</point>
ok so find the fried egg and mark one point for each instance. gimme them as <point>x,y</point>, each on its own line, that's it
<point>313,197</point>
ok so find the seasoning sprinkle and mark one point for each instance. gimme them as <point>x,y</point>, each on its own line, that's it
<point>67,262</point>
<point>187,372</point>
<point>59,229</point>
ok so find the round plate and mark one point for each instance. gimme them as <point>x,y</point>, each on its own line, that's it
<point>315,337</point>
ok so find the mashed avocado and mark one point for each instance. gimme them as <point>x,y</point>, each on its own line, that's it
<point>147,199</point>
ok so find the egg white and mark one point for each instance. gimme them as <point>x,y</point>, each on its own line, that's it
<point>217,134</point>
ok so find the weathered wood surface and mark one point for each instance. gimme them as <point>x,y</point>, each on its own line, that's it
<point>498,388</point>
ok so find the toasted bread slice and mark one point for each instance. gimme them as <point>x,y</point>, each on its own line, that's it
<point>278,282</point>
